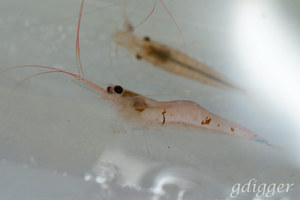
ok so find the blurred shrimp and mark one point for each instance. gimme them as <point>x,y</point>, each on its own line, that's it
<point>138,109</point>
<point>170,59</point>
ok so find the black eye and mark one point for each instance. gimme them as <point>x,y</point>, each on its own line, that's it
<point>138,56</point>
<point>147,39</point>
<point>118,89</point>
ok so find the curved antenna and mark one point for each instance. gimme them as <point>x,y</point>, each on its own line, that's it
<point>54,70</point>
<point>148,16</point>
<point>174,21</point>
<point>83,14</point>
<point>29,77</point>
<point>40,66</point>
<point>170,15</point>
<point>78,60</point>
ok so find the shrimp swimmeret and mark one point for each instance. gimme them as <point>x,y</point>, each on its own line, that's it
<point>136,108</point>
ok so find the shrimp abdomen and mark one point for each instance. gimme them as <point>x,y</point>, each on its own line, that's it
<point>191,114</point>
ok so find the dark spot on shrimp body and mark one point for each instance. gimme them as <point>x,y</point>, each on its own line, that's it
<point>139,105</point>
<point>164,117</point>
<point>161,54</point>
<point>207,121</point>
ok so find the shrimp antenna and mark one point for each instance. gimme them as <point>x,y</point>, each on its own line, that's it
<point>83,14</point>
<point>174,21</point>
<point>40,66</point>
<point>53,70</point>
<point>148,16</point>
<point>29,77</point>
<point>78,60</point>
<point>170,15</point>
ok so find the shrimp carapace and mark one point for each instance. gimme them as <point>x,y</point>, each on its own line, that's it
<point>172,60</point>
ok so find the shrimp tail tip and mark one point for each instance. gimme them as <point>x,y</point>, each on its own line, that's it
<point>266,142</point>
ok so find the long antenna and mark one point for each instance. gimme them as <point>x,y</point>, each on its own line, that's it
<point>174,21</point>
<point>169,14</point>
<point>148,16</point>
<point>78,60</point>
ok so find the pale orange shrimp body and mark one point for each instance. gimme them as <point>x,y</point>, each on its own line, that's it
<point>139,109</point>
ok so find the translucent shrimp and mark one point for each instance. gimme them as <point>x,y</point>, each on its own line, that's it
<point>171,60</point>
<point>135,108</point>
<point>140,109</point>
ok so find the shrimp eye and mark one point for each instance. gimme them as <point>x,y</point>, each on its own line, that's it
<point>118,89</point>
<point>147,39</point>
<point>138,56</point>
